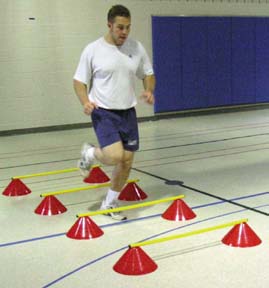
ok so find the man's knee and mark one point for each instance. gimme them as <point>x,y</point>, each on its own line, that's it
<point>115,154</point>
<point>115,157</point>
<point>128,159</point>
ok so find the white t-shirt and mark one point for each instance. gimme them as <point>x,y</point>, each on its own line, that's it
<point>111,71</point>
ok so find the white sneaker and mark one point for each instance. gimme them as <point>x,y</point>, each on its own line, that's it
<point>114,215</point>
<point>85,163</point>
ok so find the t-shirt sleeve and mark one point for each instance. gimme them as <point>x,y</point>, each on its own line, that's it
<point>84,70</point>
<point>145,66</point>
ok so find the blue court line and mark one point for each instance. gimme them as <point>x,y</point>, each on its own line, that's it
<point>151,237</point>
<point>128,221</point>
<point>85,265</point>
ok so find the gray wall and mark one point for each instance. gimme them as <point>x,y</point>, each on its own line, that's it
<point>38,57</point>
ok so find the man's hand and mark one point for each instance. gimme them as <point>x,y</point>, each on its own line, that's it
<point>148,97</point>
<point>89,107</point>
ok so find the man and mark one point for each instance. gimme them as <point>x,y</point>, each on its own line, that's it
<point>107,69</point>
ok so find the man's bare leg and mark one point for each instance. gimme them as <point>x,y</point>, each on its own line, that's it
<point>115,155</point>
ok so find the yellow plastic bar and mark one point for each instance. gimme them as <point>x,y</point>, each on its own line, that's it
<point>49,173</point>
<point>129,207</point>
<point>77,189</point>
<point>196,232</point>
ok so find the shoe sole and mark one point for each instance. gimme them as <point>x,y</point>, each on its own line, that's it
<point>115,218</point>
<point>85,173</point>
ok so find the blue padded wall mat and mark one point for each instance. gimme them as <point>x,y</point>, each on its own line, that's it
<point>203,62</point>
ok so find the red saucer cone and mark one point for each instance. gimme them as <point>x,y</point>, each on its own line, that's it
<point>50,205</point>
<point>135,261</point>
<point>241,235</point>
<point>16,188</point>
<point>178,211</point>
<point>97,175</point>
<point>84,229</point>
<point>132,192</point>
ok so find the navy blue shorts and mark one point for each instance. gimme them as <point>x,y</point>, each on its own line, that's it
<point>112,126</point>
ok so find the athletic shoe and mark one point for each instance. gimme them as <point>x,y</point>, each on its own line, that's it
<point>85,163</point>
<point>114,215</point>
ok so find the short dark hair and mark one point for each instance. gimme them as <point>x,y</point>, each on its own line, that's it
<point>117,10</point>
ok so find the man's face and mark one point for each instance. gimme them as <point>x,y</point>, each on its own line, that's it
<point>119,29</point>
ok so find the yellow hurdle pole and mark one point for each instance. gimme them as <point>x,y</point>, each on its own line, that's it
<point>196,232</point>
<point>49,173</point>
<point>77,189</point>
<point>129,207</point>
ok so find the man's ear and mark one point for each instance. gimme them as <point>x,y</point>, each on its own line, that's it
<point>109,25</point>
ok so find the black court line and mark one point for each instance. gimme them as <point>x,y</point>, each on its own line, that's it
<point>177,156</point>
<point>207,142</point>
<point>203,132</point>
<point>181,184</point>
<point>173,162</point>
<point>181,155</point>
<point>204,157</point>
<point>145,150</point>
